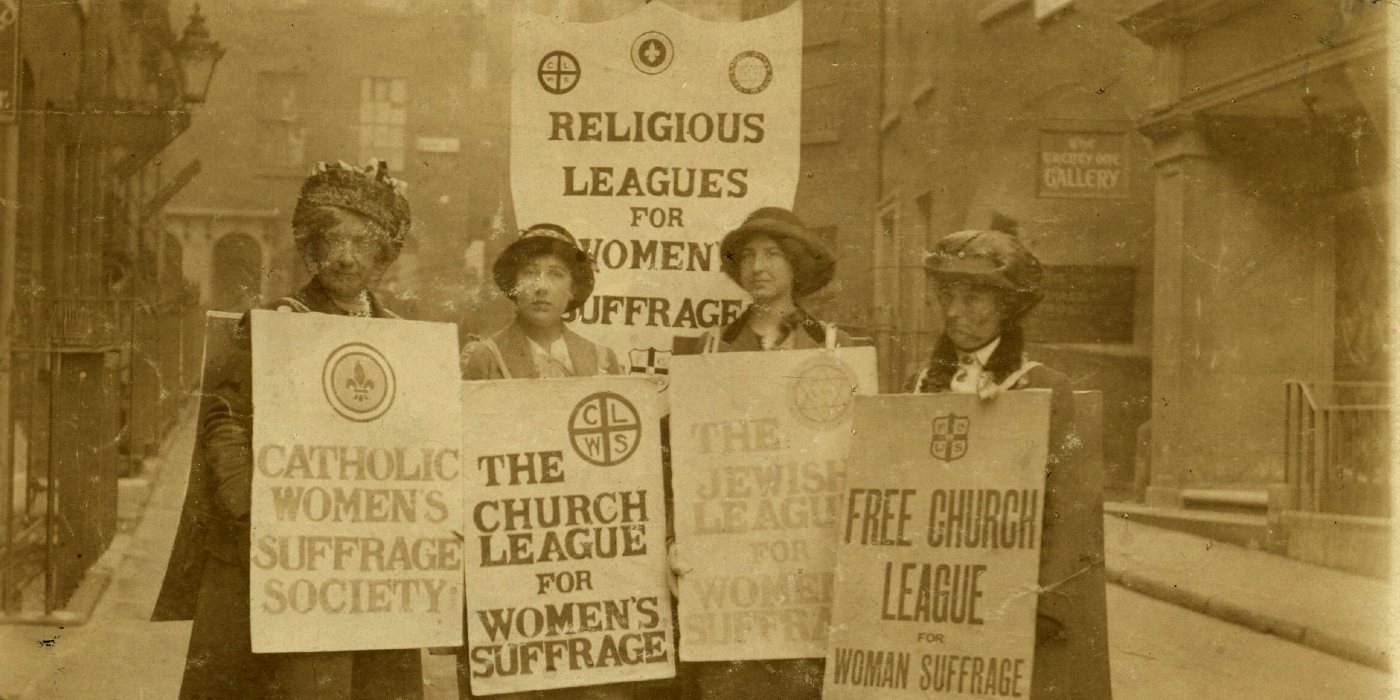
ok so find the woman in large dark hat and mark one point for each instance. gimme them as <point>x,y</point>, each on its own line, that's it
<point>349,226</point>
<point>778,261</point>
<point>986,283</point>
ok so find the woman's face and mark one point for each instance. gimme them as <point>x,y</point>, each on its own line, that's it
<point>972,315</point>
<point>347,256</point>
<point>764,270</point>
<point>543,289</point>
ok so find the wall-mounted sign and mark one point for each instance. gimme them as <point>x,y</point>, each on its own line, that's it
<point>1089,164</point>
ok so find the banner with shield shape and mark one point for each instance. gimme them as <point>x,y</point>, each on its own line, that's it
<point>649,136</point>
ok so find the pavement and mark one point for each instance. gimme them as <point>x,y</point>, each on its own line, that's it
<point>1338,613</point>
<point>1188,618</point>
<point>1160,651</point>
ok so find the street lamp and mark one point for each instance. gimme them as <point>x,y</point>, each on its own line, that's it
<point>196,55</point>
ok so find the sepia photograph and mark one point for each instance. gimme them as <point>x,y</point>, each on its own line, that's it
<point>697,349</point>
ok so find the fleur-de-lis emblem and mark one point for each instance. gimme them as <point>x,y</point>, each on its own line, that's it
<point>359,383</point>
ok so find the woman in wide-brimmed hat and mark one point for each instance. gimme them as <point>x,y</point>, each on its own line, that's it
<point>349,226</point>
<point>778,261</point>
<point>986,283</point>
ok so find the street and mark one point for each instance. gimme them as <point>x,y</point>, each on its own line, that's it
<point>1159,651</point>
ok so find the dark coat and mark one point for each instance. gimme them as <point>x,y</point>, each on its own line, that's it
<point>1071,648</point>
<point>207,578</point>
<point>804,331</point>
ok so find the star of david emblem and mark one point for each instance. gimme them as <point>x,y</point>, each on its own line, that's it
<point>822,393</point>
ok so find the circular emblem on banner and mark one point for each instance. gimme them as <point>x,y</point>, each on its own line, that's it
<point>559,72</point>
<point>605,429</point>
<point>358,382</point>
<point>750,72</point>
<point>822,392</point>
<point>652,52</point>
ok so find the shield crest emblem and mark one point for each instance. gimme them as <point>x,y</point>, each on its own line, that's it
<point>949,437</point>
<point>649,361</point>
<point>653,364</point>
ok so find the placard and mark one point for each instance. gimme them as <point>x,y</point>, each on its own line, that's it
<point>357,473</point>
<point>758,455</point>
<point>938,555</point>
<point>566,534</point>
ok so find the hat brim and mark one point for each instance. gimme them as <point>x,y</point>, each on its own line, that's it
<point>507,266</point>
<point>808,279</point>
<point>1024,299</point>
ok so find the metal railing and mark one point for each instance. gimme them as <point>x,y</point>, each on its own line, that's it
<point>72,321</point>
<point>95,384</point>
<point>1337,446</point>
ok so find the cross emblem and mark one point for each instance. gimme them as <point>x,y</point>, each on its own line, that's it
<point>558,72</point>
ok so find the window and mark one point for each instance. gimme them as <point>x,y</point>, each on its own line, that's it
<point>382,118</point>
<point>892,63</point>
<point>281,135</point>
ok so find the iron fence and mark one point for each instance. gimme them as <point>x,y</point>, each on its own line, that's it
<point>95,382</point>
<point>1337,446</point>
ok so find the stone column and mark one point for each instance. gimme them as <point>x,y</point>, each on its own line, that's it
<point>1183,167</point>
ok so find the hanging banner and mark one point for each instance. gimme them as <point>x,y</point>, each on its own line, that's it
<point>566,534</point>
<point>649,137</point>
<point>357,484</point>
<point>938,551</point>
<point>758,455</point>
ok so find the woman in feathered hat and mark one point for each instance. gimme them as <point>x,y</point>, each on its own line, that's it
<point>986,283</point>
<point>349,226</point>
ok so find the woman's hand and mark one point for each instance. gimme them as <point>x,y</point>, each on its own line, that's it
<point>673,558</point>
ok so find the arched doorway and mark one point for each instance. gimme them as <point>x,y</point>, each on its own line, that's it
<point>237,272</point>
